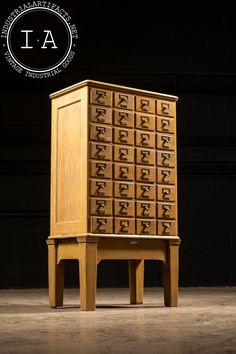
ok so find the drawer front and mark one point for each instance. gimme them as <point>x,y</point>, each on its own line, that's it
<point>100,97</point>
<point>145,174</point>
<point>124,208</point>
<point>166,228</point>
<point>146,227</point>
<point>145,191</point>
<point>166,108</point>
<point>166,142</point>
<point>145,139</point>
<point>123,153</point>
<point>123,136</point>
<point>166,158</point>
<point>100,188</point>
<point>101,133</point>
<point>101,225</point>
<point>123,190</point>
<point>124,119</point>
<point>100,206</point>
<point>145,156</point>
<point>124,101</point>
<point>166,211</point>
<point>100,169</point>
<point>165,125</point>
<point>101,151</point>
<point>100,115</point>
<point>145,209</point>
<point>145,104</point>
<point>124,226</point>
<point>166,193</point>
<point>124,172</point>
<point>144,121</point>
<point>165,176</point>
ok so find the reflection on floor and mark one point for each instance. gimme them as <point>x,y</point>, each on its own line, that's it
<point>204,322</point>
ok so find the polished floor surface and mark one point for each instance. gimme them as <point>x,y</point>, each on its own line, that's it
<point>204,322</point>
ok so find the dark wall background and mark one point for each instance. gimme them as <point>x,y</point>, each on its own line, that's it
<point>186,52</point>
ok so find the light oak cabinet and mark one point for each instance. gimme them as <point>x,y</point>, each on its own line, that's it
<point>113,170</point>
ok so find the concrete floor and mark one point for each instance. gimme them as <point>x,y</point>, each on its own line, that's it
<point>204,322</point>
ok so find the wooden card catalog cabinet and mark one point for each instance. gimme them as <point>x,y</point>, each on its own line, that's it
<point>113,180</point>
<point>113,162</point>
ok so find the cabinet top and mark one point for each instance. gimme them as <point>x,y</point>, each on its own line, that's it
<point>111,87</point>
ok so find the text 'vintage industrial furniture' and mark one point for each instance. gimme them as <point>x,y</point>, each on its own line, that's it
<point>113,186</point>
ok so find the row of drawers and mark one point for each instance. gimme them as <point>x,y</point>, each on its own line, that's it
<point>109,225</point>
<point>102,133</point>
<point>126,172</point>
<point>126,190</point>
<point>130,208</point>
<point>132,155</point>
<point>131,120</point>
<point>130,102</point>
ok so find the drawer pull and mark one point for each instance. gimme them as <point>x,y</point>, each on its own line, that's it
<point>166,193</point>
<point>166,227</point>
<point>100,133</point>
<point>101,222</point>
<point>100,169</point>
<point>124,172</point>
<point>146,208</point>
<point>165,141</point>
<point>166,158</point>
<point>145,154</point>
<point>145,105</point>
<point>101,95</point>
<point>165,124</point>
<point>123,118</point>
<point>145,227</point>
<point>145,189</point>
<point>166,209</point>
<point>144,122</point>
<point>124,189</point>
<point>100,115</point>
<point>124,224</point>
<point>145,173</point>
<point>123,154</point>
<point>144,139</point>
<point>165,174</point>
<point>100,188</point>
<point>123,101</point>
<point>100,150</point>
<point>165,107</point>
<point>100,205</point>
<point>124,207</point>
<point>123,136</point>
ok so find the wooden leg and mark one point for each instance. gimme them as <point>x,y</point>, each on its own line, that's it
<point>171,276</point>
<point>136,281</point>
<point>88,275</point>
<point>55,276</point>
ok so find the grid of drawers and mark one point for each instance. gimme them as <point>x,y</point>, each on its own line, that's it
<point>132,164</point>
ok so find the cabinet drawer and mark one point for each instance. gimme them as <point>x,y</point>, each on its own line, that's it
<point>166,193</point>
<point>101,225</point>
<point>166,211</point>
<point>100,169</point>
<point>145,156</point>
<point>145,139</point>
<point>101,133</point>
<point>124,101</point>
<point>123,153</point>
<point>144,121</point>
<point>124,226</point>
<point>146,227</point>
<point>100,188</point>
<point>101,151</point>
<point>124,208</point>
<point>145,174</point>
<point>123,136</point>
<point>145,191</point>
<point>166,108</point>
<point>145,104</point>
<point>166,142</point>
<point>100,96</point>
<point>166,228</point>
<point>145,209</point>
<point>123,190</point>
<point>166,158</point>
<point>124,172</point>
<point>165,176</point>
<point>165,125</point>
<point>100,206</point>
<point>124,119</point>
<point>100,115</point>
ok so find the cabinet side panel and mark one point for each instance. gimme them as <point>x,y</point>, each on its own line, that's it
<point>69,164</point>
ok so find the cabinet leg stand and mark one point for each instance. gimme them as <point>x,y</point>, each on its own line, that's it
<point>171,275</point>
<point>88,274</point>
<point>55,276</point>
<point>136,281</point>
